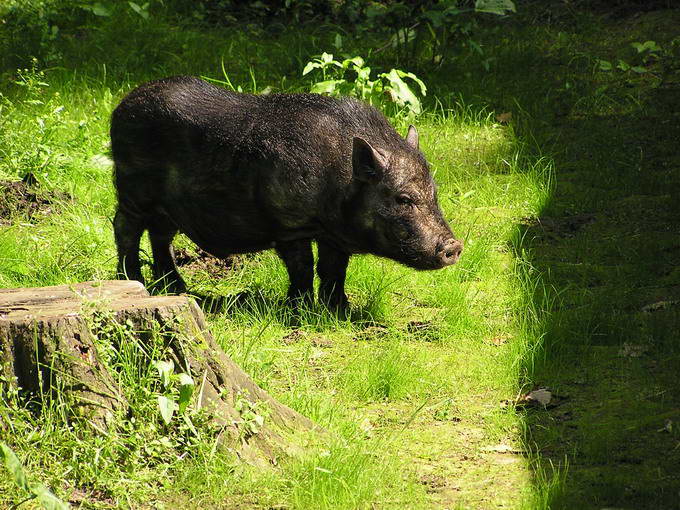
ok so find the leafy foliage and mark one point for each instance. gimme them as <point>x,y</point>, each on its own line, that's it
<point>335,81</point>
<point>36,491</point>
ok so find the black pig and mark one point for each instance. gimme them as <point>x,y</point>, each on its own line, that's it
<point>241,173</point>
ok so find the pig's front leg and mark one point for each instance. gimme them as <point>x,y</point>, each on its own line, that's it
<point>299,261</point>
<point>332,269</point>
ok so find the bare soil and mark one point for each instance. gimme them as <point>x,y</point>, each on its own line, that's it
<point>199,260</point>
<point>24,199</point>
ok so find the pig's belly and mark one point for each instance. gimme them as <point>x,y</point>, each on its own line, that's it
<point>223,229</point>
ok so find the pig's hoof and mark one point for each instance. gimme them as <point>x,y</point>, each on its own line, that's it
<point>338,307</point>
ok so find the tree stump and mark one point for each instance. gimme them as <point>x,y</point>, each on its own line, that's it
<point>47,344</point>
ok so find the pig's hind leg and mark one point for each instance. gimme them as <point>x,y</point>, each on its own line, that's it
<point>128,229</point>
<point>161,233</point>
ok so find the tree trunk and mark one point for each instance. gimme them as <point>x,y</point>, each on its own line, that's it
<point>51,340</point>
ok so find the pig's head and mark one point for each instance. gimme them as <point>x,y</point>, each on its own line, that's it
<point>396,207</point>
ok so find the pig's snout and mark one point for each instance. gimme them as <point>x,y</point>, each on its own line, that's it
<point>448,251</point>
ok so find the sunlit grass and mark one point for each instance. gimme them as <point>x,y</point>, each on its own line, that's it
<point>412,341</point>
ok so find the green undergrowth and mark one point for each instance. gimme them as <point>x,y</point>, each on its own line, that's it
<point>419,349</point>
<point>416,386</point>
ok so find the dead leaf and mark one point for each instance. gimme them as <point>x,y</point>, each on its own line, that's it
<point>632,350</point>
<point>366,427</point>
<point>659,305</point>
<point>504,118</point>
<point>541,396</point>
<point>499,340</point>
<point>502,448</point>
<point>667,426</point>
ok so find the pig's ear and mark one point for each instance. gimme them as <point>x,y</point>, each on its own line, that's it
<point>412,137</point>
<point>368,165</point>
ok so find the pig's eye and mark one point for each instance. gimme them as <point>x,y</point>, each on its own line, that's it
<point>404,200</point>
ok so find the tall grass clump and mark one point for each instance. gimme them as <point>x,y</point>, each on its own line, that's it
<point>390,371</point>
<point>351,475</point>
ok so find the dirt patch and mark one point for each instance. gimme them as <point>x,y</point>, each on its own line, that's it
<point>24,199</point>
<point>423,330</point>
<point>199,260</point>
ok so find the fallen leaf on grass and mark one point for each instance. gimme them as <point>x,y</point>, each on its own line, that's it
<point>316,355</point>
<point>667,426</point>
<point>504,118</point>
<point>632,350</point>
<point>659,305</point>
<point>540,396</point>
<point>499,340</point>
<point>502,448</point>
<point>366,427</point>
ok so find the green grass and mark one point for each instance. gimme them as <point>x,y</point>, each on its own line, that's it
<point>375,381</point>
<point>412,385</point>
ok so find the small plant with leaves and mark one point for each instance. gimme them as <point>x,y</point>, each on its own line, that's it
<point>646,55</point>
<point>352,77</point>
<point>36,490</point>
<point>177,390</point>
<point>101,10</point>
<point>252,416</point>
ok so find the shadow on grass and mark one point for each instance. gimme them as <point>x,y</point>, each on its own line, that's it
<point>258,303</point>
<point>606,252</point>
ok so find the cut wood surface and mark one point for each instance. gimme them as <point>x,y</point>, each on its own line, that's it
<point>47,343</point>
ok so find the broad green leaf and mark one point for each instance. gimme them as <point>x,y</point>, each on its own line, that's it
<point>475,47</point>
<point>357,61</point>
<point>186,389</point>
<point>99,10</point>
<point>310,67</point>
<point>638,69</point>
<point>499,7</point>
<point>622,65</point>
<point>14,465</point>
<point>48,500</point>
<point>363,74</point>
<point>400,92</point>
<point>140,10</point>
<point>421,84</point>
<point>165,369</point>
<point>646,46</point>
<point>604,65</point>
<point>167,408</point>
<point>326,87</point>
